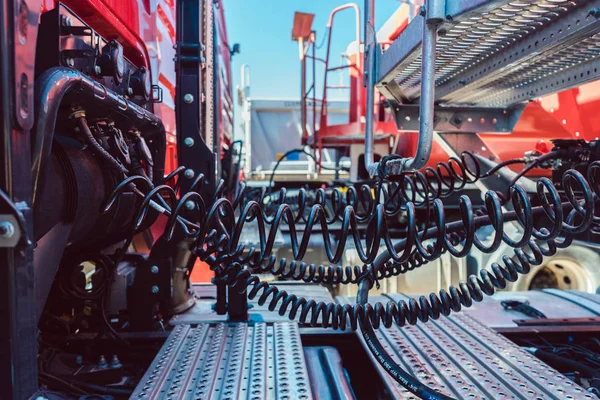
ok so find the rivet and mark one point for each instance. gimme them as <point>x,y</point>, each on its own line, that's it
<point>188,142</point>
<point>97,70</point>
<point>155,289</point>
<point>188,98</point>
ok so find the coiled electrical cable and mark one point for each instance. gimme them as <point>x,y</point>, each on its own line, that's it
<point>442,181</point>
<point>216,233</point>
<point>420,189</point>
<point>228,229</point>
<point>340,316</point>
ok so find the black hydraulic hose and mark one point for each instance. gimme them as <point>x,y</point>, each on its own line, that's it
<point>503,164</point>
<point>221,216</point>
<point>562,363</point>
<point>539,160</point>
<point>99,150</point>
<point>389,365</point>
<point>50,90</point>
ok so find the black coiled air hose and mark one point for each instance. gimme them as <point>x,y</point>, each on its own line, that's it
<point>222,214</point>
<point>219,224</point>
<point>420,188</point>
<point>216,237</point>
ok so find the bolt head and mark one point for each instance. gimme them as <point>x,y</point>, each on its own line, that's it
<point>97,70</point>
<point>188,142</point>
<point>189,173</point>
<point>154,269</point>
<point>7,230</point>
<point>189,205</point>
<point>102,362</point>
<point>70,62</point>
<point>155,289</point>
<point>67,21</point>
<point>188,98</point>
<point>129,91</point>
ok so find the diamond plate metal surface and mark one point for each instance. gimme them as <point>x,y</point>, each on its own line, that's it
<point>500,53</point>
<point>228,361</point>
<point>464,359</point>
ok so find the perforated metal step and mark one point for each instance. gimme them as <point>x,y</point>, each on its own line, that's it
<point>228,361</point>
<point>465,360</point>
<point>497,53</point>
<point>205,295</point>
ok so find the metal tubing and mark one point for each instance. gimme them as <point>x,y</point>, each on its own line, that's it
<point>314,82</point>
<point>330,24</point>
<point>426,112</point>
<point>323,121</point>
<point>370,46</point>
<point>303,111</point>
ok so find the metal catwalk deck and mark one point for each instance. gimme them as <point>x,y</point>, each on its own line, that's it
<point>497,53</point>
<point>208,358</point>
<point>466,360</point>
<point>228,362</point>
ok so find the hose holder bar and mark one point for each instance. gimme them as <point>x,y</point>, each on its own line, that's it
<point>434,12</point>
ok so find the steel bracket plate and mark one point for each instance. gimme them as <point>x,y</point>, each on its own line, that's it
<point>460,119</point>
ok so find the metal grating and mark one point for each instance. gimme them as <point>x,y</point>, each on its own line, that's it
<point>499,54</point>
<point>466,360</point>
<point>228,361</point>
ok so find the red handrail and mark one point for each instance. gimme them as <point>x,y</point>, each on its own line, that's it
<point>323,119</point>
<point>309,46</point>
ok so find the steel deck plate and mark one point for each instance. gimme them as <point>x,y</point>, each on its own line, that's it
<point>492,314</point>
<point>205,295</point>
<point>464,359</point>
<point>228,361</point>
<point>498,53</point>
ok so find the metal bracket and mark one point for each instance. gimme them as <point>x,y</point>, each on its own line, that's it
<point>157,94</point>
<point>12,225</point>
<point>152,286</point>
<point>190,53</point>
<point>460,119</point>
<point>194,141</point>
<point>10,232</point>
